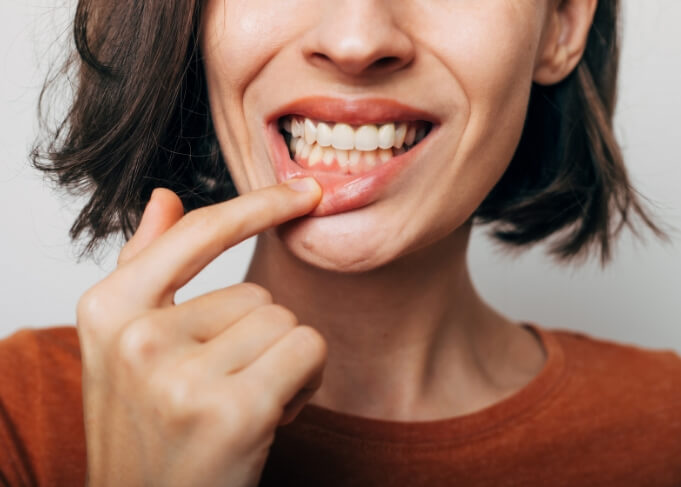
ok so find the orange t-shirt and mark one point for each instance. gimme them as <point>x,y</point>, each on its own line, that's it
<point>600,413</point>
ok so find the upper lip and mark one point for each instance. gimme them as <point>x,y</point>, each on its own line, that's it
<point>352,111</point>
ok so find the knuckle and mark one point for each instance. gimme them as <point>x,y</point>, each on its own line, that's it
<point>89,306</point>
<point>280,314</point>
<point>177,400</point>
<point>139,342</point>
<point>180,398</point>
<point>311,339</point>
<point>95,305</point>
<point>261,294</point>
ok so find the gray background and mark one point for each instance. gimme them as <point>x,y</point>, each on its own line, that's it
<point>635,300</point>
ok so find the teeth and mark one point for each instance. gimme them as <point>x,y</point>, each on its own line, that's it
<point>420,134</point>
<point>385,155</point>
<point>343,157</point>
<point>400,135</point>
<point>343,137</point>
<point>411,135</point>
<point>323,134</point>
<point>297,128</point>
<point>307,150</point>
<point>329,155</point>
<point>365,138</point>
<point>310,132</point>
<point>386,136</point>
<point>370,159</point>
<point>355,156</point>
<point>316,155</point>
<point>349,161</point>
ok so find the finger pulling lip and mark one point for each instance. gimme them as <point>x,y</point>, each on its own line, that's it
<point>341,192</point>
<point>345,192</point>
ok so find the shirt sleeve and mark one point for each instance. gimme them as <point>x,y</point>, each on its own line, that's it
<point>41,421</point>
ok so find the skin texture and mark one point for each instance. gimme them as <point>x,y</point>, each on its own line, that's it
<point>352,275</point>
<point>162,382</point>
<point>393,327</point>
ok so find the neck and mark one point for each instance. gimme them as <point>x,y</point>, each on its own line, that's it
<point>411,339</point>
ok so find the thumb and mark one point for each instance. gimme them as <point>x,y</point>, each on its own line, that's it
<point>163,210</point>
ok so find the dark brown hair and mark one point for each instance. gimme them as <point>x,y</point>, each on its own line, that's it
<point>140,119</point>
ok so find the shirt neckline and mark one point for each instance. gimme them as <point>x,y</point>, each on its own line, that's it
<point>510,409</point>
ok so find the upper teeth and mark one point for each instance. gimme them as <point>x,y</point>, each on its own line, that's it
<point>345,137</point>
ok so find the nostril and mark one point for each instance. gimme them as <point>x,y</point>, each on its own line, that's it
<point>386,62</point>
<point>320,59</point>
<point>356,65</point>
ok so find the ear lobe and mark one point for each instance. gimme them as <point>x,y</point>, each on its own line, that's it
<point>563,45</point>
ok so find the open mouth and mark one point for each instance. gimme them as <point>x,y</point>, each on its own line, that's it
<point>348,149</point>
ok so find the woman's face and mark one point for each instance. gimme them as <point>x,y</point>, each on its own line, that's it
<point>373,71</point>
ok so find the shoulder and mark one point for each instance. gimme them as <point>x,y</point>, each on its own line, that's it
<point>620,400</point>
<point>49,357</point>
<point>55,342</point>
<point>33,356</point>
<point>651,375</point>
<point>41,419</point>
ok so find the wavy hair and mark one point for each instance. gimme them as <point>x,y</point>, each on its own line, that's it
<point>140,119</point>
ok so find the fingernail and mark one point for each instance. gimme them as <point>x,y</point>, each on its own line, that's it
<point>305,185</point>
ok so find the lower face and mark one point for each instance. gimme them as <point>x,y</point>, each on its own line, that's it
<point>404,153</point>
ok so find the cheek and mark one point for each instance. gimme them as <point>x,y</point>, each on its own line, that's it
<point>488,50</point>
<point>238,39</point>
<point>240,36</point>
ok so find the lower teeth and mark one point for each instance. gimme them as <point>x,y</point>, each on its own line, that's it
<point>344,161</point>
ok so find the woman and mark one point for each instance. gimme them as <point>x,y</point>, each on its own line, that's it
<point>357,351</point>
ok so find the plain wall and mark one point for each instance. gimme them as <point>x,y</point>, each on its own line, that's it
<point>637,299</point>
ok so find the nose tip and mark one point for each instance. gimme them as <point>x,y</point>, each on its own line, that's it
<point>359,38</point>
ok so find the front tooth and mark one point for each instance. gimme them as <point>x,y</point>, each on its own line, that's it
<point>366,138</point>
<point>355,156</point>
<point>342,156</point>
<point>297,128</point>
<point>400,135</point>
<point>370,158</point>
<point>323,134</point>
<point>386,136</point>
<point>328,156</point>
<point>310,132</point>
<point>411,135</point>
<point>316,155</point>
<point>343,137</point>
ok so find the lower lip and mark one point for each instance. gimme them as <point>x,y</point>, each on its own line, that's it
<point>341,192</point>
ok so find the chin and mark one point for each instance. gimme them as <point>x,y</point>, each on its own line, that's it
<point>341,243</point>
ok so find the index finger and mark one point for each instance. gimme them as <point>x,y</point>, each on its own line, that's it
<point>201,235</point>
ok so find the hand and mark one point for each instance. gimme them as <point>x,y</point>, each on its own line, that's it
<point>191,394</point>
